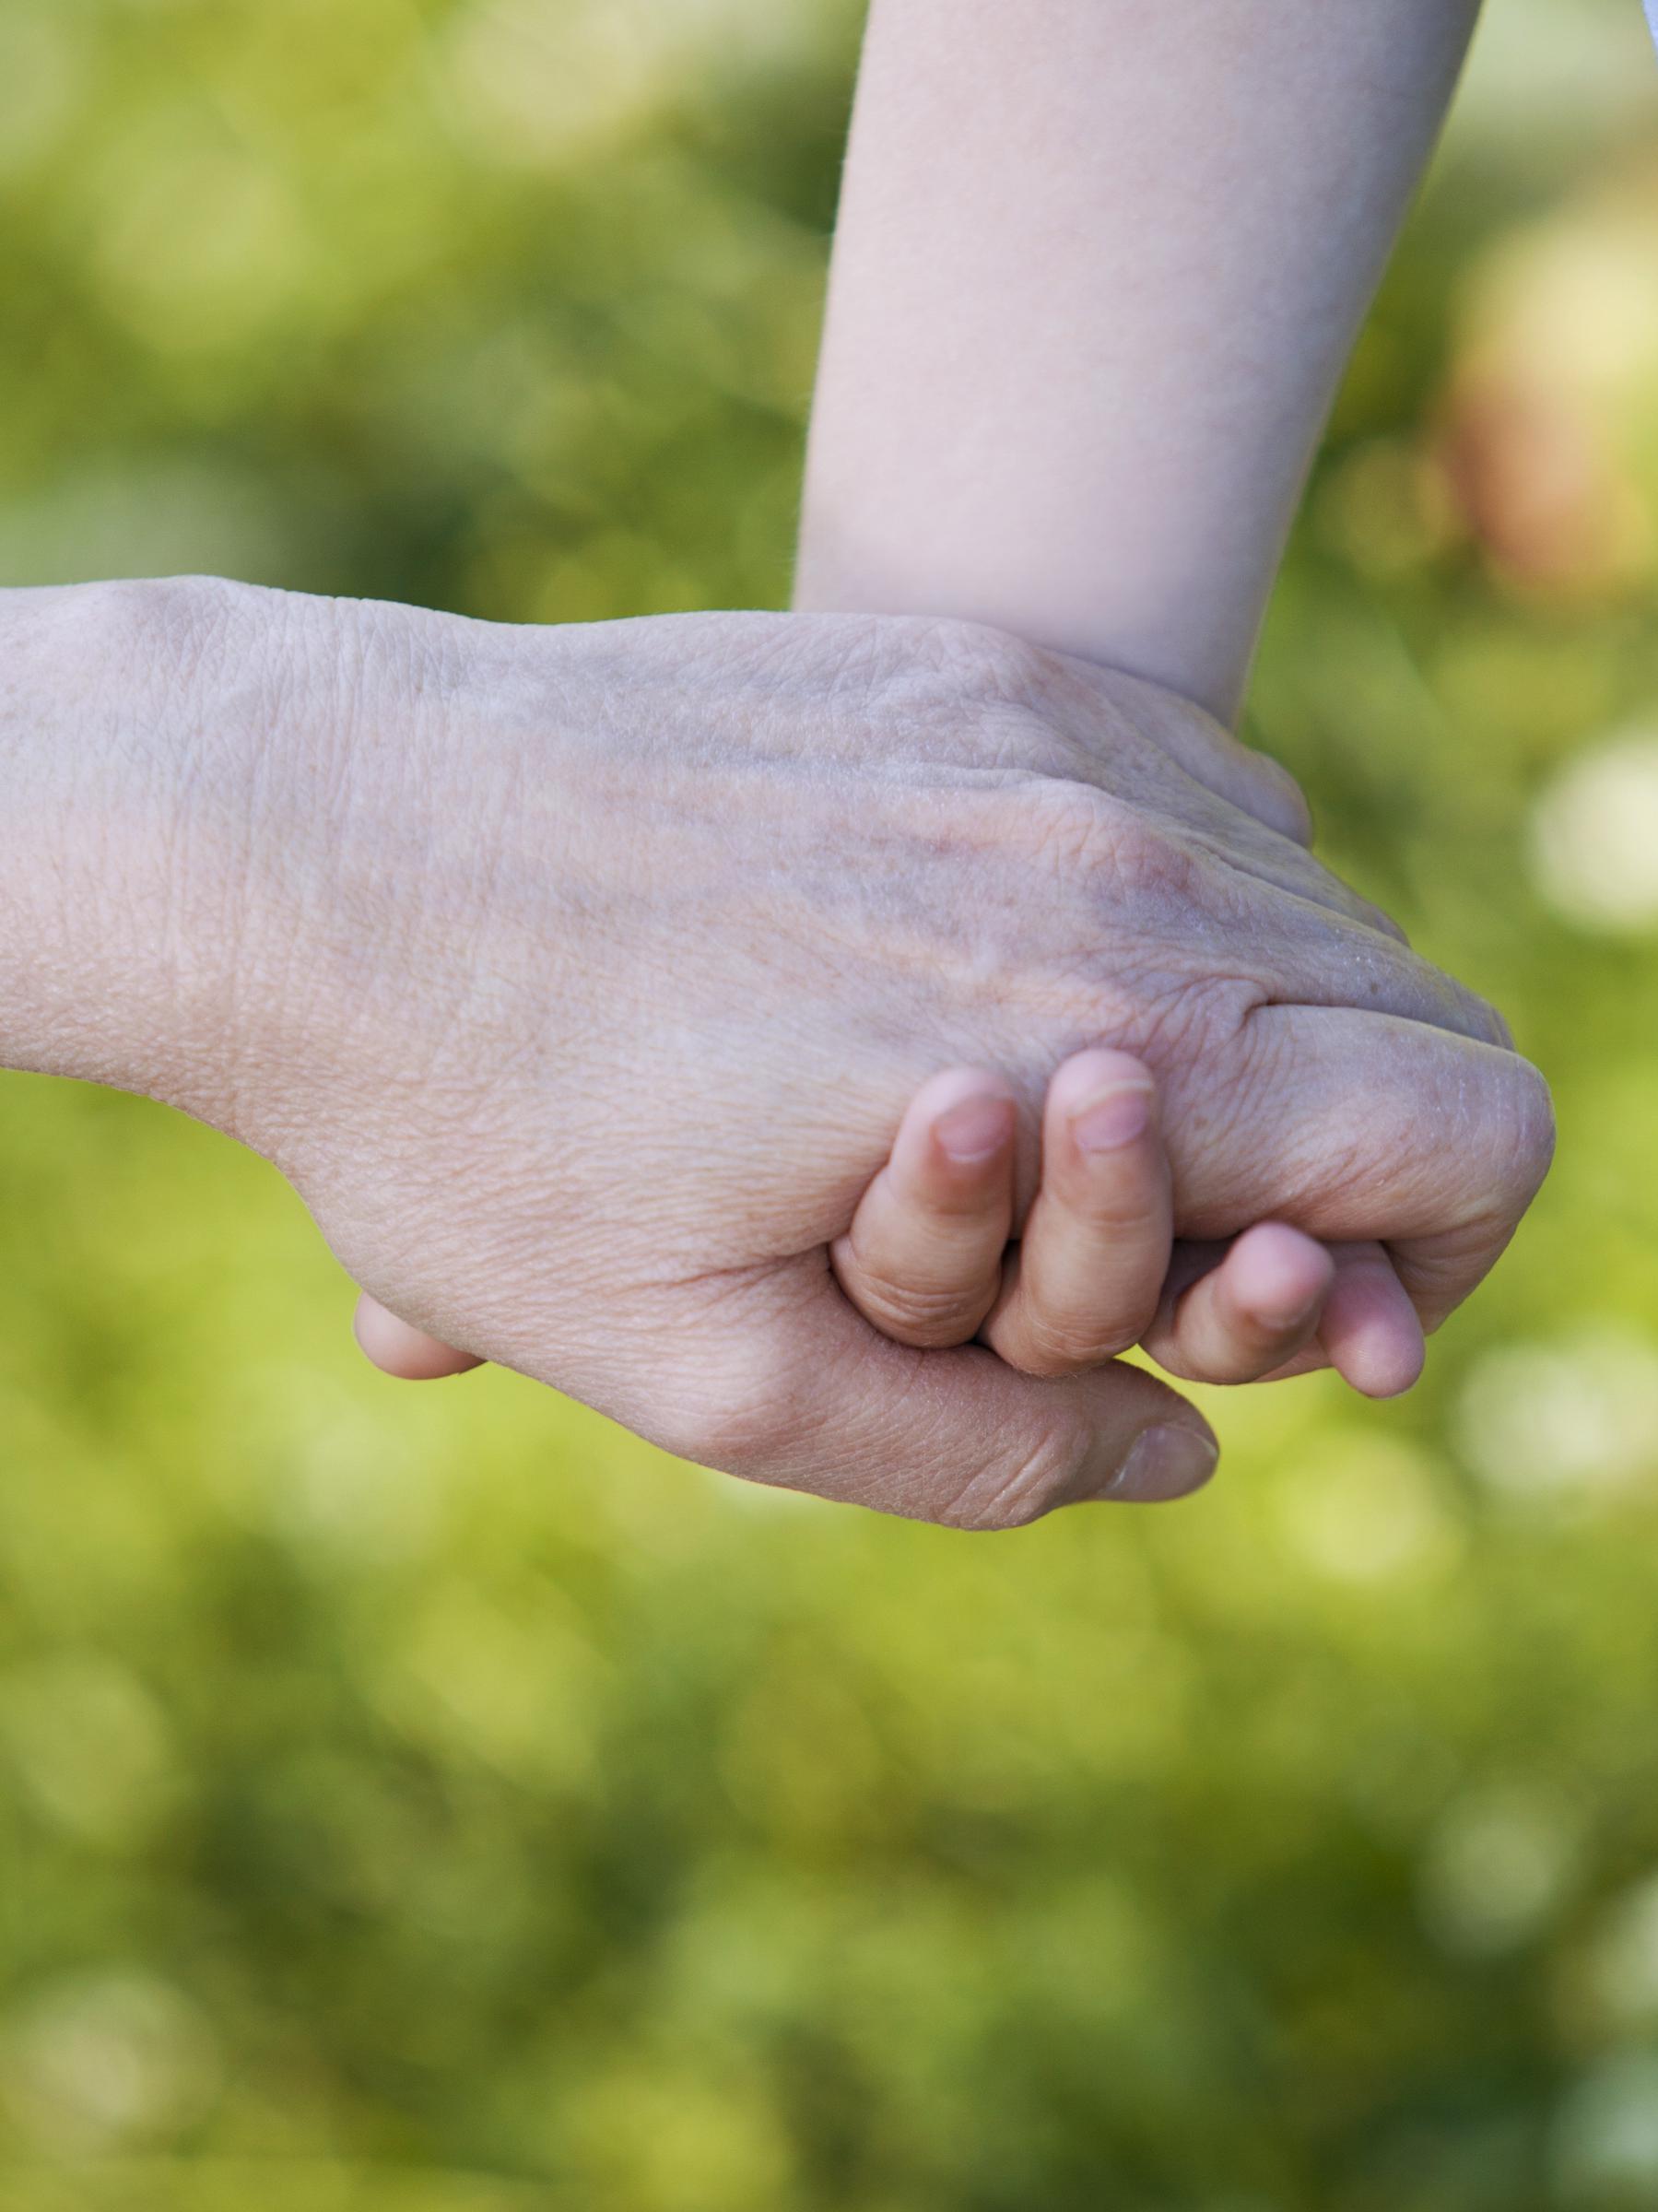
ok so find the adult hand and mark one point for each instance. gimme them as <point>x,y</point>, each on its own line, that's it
<point>578,979</point>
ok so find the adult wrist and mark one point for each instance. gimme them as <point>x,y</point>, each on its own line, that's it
<point>119,883</point>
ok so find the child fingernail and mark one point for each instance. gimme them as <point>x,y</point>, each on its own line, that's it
<point>1112,1120</point>
<point>974,1130</point>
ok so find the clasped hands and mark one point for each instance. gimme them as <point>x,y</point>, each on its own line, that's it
<point>1049,1239</point>
<point>818,1042</point>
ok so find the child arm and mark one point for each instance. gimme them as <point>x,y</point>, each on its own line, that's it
<point>1098,268</point>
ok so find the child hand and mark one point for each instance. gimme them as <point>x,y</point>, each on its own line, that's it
<point>927,1258</point>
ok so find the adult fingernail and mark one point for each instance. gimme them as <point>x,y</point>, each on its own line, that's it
<point>1166,1462</point>
<point>1112,1120</point>
<point>973,1130</point>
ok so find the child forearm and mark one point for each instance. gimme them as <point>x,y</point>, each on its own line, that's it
<point>1099,265</point>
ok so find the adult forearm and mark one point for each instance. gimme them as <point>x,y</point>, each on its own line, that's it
<point>129,750</point>
<point>1098,268</point>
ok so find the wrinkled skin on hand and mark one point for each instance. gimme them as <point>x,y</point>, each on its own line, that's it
<point>579,978</point>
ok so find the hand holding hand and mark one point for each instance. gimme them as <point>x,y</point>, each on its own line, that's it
<point>928,1262</point>
<point>1096,1270</point>
<point>579,979</point>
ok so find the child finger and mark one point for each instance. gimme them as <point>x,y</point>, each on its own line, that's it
<point>398,1348</point>
<point>1094,1249</point>
<point>1371,1330</point>
<point>1252,1313</point>
<point>923,1259</point>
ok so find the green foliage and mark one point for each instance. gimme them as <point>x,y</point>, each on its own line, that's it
<point>432,1801</point>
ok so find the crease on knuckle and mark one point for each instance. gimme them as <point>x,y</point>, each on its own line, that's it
<point>913,1314</point>
<point>1050,1347</point>
<point>1186,1029</point>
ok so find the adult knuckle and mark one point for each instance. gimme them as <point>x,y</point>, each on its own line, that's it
<point>1190,1034</point>
<point>1082,831</point>
<point>1141,857</point>
<point>1450,1005</point>
<point>1309,878</point>
<point>1069,825</point>
<point>1529,1149</point>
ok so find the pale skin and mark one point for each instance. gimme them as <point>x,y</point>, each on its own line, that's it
<point>1096,271</point>
<point>925,1259</point>
<point>1097,265</point>
<point>503,942</point>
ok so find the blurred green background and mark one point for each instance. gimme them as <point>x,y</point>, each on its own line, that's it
<point>431,1801</point>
